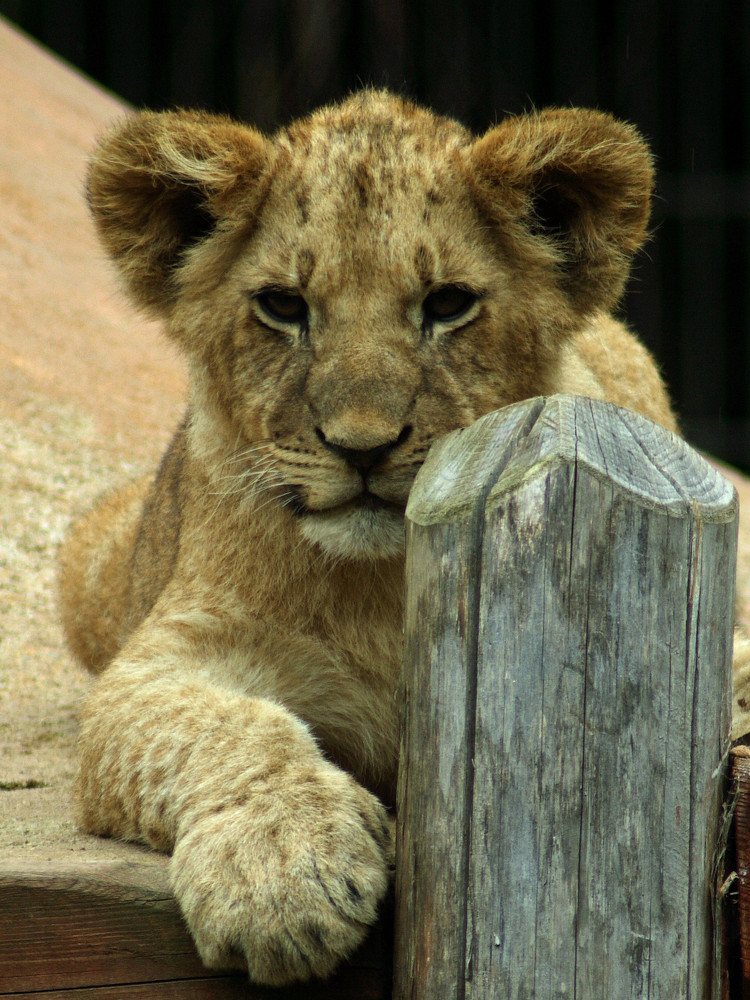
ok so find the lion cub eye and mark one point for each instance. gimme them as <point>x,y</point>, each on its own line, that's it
<point>447,304</point>
<point>282,307</point>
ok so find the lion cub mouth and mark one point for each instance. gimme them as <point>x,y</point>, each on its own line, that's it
<point>361,501</point>
<point>365,527</point>
<point>371,501</point>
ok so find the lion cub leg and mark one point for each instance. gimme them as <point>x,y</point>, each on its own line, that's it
<point>279,858</point>
<point>94,578</point>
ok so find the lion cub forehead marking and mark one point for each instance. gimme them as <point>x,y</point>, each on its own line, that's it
<point>370,149</point>
<point>373,180</point>
<point>366,185</point>
<point>424,265</point>
<point>305,265</point>
<point>372,120</point>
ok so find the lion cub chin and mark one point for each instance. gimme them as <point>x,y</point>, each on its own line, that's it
<point>345,292</point>
<point>358,532</point>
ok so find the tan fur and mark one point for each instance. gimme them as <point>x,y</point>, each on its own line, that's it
<point>250,599</point>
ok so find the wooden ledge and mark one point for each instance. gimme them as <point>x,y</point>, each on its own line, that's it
<point>110,928</point>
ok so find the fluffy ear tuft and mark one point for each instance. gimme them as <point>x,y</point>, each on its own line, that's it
<point>160,183</point>
<point>580,183</point>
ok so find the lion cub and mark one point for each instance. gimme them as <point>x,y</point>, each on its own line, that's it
<point>345,292</point>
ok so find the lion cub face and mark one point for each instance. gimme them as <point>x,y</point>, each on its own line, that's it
<point>367,280</point>
<point>363,307</point>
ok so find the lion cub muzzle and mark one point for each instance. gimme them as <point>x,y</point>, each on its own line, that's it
<point>370,521</point>
<point>363,460</point>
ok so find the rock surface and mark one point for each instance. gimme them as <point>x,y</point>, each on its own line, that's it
<point>88,395</point>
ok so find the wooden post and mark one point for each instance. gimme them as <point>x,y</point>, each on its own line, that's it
<point>570,578</point>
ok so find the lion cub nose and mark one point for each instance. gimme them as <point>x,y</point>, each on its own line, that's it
<point>363,459</point>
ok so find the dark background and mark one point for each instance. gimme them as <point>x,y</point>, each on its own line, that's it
<point>679,69</point>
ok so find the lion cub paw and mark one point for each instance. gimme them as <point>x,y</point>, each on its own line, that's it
<point>287,883</point>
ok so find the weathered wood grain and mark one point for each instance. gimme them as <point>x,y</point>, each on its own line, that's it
<point>568,642</point>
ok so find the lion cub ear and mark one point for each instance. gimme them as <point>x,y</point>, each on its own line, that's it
<point>580,184</point>
<point>160,183</point>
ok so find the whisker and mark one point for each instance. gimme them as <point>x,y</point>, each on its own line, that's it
<point>262,477</point>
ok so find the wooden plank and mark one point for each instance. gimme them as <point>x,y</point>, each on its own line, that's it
<point>232,987</point>
<point>103,926</point>
<point>224,988</point>
<point>106,924</point>
<point>593,657</point>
